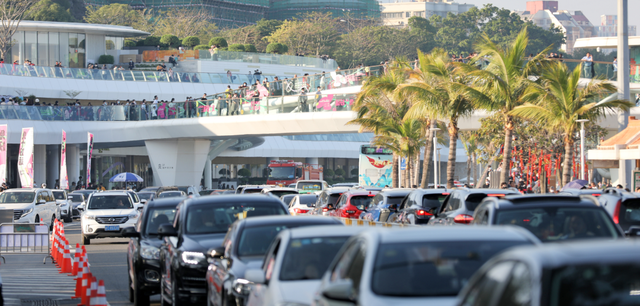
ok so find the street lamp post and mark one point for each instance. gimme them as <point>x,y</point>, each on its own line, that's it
<point>435,130</point>
<point>582,121</point>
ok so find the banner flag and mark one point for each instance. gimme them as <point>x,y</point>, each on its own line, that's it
<point>89,155</point>
<point>64,179</point>
<point>25,158</point>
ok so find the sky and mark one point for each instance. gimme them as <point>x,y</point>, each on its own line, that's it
<point>592,9</point>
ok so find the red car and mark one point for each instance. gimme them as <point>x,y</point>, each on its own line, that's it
<point>352,203</point>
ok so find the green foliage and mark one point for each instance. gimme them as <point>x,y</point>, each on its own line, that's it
<point>277,48</point>
<point>224,172</point>
<point>115,14</point>
<point>340,172</point>
<point>190,41</point>
<point>236,47</point>
<point>314,34</point>
<point>47,10</point>
<point>152,41</point>
<point>170,41</point>
<point>355,172</point>
<point>106,59</point>
<point>250,48</point>
<point>244,172</point>
<point>423,32</point>
<point>129,43</point>
<point>328,172</point>
<point>201,47</point>
<point>338,179</point>
<point>218,41</point>
<point>266,27</point>
<point>371,45</point>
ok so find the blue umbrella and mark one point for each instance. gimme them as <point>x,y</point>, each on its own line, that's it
<point>577,184</point>
<point>126,177</point>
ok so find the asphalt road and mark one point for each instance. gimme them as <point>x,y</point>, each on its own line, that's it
<point>108,259</point>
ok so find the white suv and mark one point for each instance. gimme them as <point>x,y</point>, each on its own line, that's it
<point>106,214</point>
<point>30,205</point>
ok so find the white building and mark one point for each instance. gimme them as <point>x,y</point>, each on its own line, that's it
<point>574,24</point>
<point>609,26</point>
<point>397,14</point>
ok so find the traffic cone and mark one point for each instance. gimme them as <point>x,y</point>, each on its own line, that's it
<point>85,256</point>
<point>86,288</point>
<point>77,256</point>
<point>101,296</point>
<point>81,272</point>
<point>93,291</point>
<point>66,260</point>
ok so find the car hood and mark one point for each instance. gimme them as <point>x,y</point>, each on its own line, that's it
<point>246,263</point>
<point>413,301</point>
<point>202,243</point>
<point>111,212</point>
<point>151,241</point>
<point>15,206</point>
<point>300,291</point>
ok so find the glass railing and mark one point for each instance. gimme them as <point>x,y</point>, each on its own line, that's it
<point>125,75</point>
<point>604,69</point>
<point>181,110</point>
<point>268,58</point>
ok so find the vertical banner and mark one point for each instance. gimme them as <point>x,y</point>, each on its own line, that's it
<point>89,155</point>
<point>64,179</point>
<point>25,158</point>
<point>3,153</point>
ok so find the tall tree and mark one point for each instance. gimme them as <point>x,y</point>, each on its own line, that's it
<point>559,101</point>
<point>11,14</point>
<point>314,34</point>
<point>47,10</point>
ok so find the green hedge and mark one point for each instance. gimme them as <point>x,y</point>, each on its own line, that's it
<point>250,48</point>
<point>237,47</point>
<point>106,59</point>
<point>190,41</point>
<point>201,47</point>
<point>219,41</point>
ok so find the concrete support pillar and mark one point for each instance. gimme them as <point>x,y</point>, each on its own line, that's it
<point>53,165</point>
<point>207,174</point>
<point>624,92</point>
<point>73,163</point>
<point>178,161</point>
<point>40,165</point>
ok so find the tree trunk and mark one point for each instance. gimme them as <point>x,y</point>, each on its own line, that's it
<point>506,160</point>
<point>394,172</point>
<point>468,170</point>
<point>475,170</point>
<point>568,160</point>
<point>453,142</point>
<point>428,155</point>
<point>486,170</point>
<point>409,168</point>
<point>416,170</point>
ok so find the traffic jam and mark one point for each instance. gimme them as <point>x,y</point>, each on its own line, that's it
<point>315,244</point>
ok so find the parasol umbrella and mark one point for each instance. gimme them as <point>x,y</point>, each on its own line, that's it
<point>126,177</point>
<point>577,184</point>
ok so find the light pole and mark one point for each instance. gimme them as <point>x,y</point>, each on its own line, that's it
<point>434,131</point>
<point>582,121</point>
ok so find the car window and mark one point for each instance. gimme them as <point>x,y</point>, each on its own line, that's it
<point>157,217</point>
<point>629,213</point>
<point>76,197</point>
<point>360,202</point>
<point>485,290</point>
<point>307,199</point>
<point>110,202</point>
<point>518,289</point>
<point>473,200</point>
<point>279,193</point>
<point>270,260</point>
<point>309,258</point>
<point>453,203</point>
<point>255,241</point>
<point>59,195</point>
<point>558,223</point>
<point>211,219</point>
<point>432,201</point>
<point>394,200</point>
<point>145,195</point>
<point>356,266</point>
<point>340,269</point>
<point>9,197</point>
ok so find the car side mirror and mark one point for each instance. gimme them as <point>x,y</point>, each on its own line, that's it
<point>130,232</point>
<point>70,198</point>
<point>42,202</point>
<point>167,230</point>
<point>143,201</point>
<point>217,253</point>
<point>255,276</point>
<point>341,290</point>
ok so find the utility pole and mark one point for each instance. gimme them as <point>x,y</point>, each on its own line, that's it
<point>623,82</point>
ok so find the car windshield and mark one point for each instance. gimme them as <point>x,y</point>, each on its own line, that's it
<point>59,195</point>
<point>629,214</point>
<point>9,197</point>
<point>474,199</point>
<point>157,217</point>
<point>333,198</point>
<point>309,258</point>
<point>211,219</point>
<point>254,241</point>
<point>145,195</point>
<point>184,188</point>
<point>394,200</point>
<point>596,284</point>
<point>433,201</point>
<point>281,173</point>
<point>434,268</point>
<point>361,202</point>
<point>309,186</point>
<point>287,199</point>
<point>170,194</point>
<point>76,198</point>
<point>557,223</point>
<point>252,190</point>
<point>279,193</point>
<point>307,199</point>
<point>110,202</point>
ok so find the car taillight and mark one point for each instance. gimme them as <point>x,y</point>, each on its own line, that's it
<point>300,211</point>
<point>423,213</point>
<point>495,195</point>
<point>325,209</point>
<point>616,212</point>
<point>464,219</point>
<point>595,194</point>
<point>446,193</point>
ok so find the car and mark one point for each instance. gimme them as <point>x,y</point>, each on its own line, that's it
<point>302,204</point>
<point>550,217</point>
<point>85,192</point>
<point>190,190</point>
<point>571,273</point>
<point>143,251</point>
<point>172,194</point>
<point>160,190</point>
<point>294,264</point>
<point>146,196</point>
<point>412,265</point>
<point>350,185</point>
<point>384,204</point>
<point>63,210</point>
<point>326,197</point>
<point>76,199</point>
<point>279,191</point>
<point>253,189</point>
<point>352,203</point>
<point>286,199</point>
<point>624,209</point>
<point>200,225</point>
<point>107,214</point>
<point>149,189</point>
<point>577,192</point>
<point>30,205</point>
<point>244,248</point>
<point>229,192</point>
<point>459,206</point>
<point>291,185</point>
<point>419,206</point>
<point>311,186</point>
<point>211,192</point>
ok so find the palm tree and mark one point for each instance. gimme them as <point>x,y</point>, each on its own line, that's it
<point>500,87</point>
<point>470,144</point>
<point>559,101</point>
<point>439,88</point>
<point>406,138</point>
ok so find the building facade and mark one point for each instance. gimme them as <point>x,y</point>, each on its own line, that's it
<point>609,26</point>
<point>397,14</point>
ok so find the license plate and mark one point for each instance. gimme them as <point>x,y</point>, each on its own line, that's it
<point>351,211</point>
<point>112,228</point>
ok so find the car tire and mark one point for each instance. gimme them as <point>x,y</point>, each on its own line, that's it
<point>140,298</point>
<point>86,240</point>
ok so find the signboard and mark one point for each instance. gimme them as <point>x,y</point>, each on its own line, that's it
<point>25,158</point>
<point>89,155</point>
<point>64,179</point>
<point>3,153</point>
<point>636,180</point>
<point>403,163</point>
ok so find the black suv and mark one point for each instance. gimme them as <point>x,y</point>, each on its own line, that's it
<point>459,206</point>
<point>550,217</point>
<point>419,206</point>
<point>242,249</point>
<point>143,253</point>
<point>200,225</point>
<point>624,208</point>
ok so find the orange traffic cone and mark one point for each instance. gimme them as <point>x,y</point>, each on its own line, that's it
<point>76,260</point>
<point>81,272</point>
<point>93,291</point>
<point>101,296</point>
<point>66,260</point>
<point>86,289</point>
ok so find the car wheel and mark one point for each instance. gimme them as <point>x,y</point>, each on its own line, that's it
<point>140,298</point>
<point>86,240</point>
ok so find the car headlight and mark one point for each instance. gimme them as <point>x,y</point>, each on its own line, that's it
<point>89,217</point>
<point>192,258</point>
<point>150,252</point>
<point>241,286</point>
<point>133,216</point>
<point>26,212</point>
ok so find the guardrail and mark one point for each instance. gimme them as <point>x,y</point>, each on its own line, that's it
<point>19,238</point>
